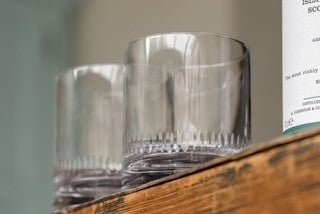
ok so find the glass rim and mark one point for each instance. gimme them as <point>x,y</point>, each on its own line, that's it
<point>93,67</point>
<point>198,33</point>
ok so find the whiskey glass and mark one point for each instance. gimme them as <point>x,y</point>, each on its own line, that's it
<point>89,131</point>
<point>187,101</point>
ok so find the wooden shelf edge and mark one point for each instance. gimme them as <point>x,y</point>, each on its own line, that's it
<point>247,181</point>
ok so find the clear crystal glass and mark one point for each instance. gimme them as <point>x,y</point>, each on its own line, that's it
<point>187,101</point>
<point>88,133</point>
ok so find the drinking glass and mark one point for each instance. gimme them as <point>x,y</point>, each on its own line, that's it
<point>88,133</point>
<point>187,100</point>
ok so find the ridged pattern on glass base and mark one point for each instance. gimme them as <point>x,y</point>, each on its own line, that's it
<point>168,153</point>
<point>168,142</point>
<point>87,162</point>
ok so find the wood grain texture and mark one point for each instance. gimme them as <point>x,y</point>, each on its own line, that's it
<point>280,176</point>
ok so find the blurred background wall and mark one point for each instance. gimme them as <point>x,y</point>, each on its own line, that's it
<point>38,38</point>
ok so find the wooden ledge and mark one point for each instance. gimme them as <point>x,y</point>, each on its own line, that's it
<point>279,176</point>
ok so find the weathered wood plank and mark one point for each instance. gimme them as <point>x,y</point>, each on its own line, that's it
<point>281,176</point>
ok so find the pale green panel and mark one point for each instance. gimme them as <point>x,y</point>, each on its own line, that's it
<point>34,47</point>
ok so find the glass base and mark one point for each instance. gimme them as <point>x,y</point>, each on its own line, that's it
<point>152,167</point>
<point>85,186</point>
<point>148,161</point>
